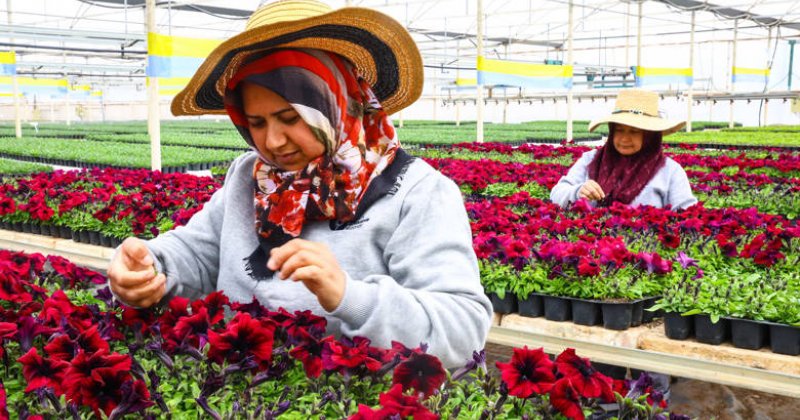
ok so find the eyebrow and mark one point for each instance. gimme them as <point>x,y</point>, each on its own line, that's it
<point>276,113</point>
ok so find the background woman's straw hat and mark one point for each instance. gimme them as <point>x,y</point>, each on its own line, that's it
<point>638,108</point>
<point>376,44</point>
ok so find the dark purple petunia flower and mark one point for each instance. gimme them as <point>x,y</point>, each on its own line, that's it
<point>422,372</point>
<point>135,398</point>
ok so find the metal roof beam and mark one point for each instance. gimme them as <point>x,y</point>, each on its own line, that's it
<point>729,13</point>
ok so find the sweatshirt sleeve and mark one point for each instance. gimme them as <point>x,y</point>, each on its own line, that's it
<point>433,293</point>
<point>565,192</point>
<point>680,191</point>
<point>189,255</point>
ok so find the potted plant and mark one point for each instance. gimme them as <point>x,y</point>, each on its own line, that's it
<point>527,287</point>
<point>497,279</point>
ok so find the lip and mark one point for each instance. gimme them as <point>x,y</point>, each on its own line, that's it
<point>286,156</point>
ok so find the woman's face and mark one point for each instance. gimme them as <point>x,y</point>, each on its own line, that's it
<point>277,129</point>
<point>627,140</point>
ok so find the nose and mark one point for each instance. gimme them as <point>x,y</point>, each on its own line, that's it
<point>275,137</point>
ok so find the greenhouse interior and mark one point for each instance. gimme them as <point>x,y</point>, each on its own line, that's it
<point>397,209</point>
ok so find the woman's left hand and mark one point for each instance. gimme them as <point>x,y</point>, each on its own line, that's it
<point>314,264</point>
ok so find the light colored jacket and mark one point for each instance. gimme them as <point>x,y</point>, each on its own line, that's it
<point>669,185</point>
<point>412,274</point>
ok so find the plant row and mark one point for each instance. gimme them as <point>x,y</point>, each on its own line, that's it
<point>86,153</point>
<point>70,351</point>
<point>116,203</point>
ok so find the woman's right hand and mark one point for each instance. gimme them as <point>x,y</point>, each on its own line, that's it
<point>591,190</point>
<point>133,277</point>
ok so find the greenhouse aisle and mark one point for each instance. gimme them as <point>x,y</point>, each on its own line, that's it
<point>704,400</point>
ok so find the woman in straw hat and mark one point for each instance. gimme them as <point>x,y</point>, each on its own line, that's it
<point>631,167</point>
<point>327,212</point>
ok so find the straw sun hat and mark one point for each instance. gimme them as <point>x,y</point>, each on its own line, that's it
<point>638,108</point>
<point>376,44</point>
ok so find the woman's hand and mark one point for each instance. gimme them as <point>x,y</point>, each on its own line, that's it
<point>133,277</point>
<point>314,264</point>
<point>591,190</point>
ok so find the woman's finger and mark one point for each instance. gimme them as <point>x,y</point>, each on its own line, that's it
<point>279,255</point>
<point>299,259</point>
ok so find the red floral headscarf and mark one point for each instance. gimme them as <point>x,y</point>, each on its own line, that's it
<point>624,177</point>
<point>345,116</point>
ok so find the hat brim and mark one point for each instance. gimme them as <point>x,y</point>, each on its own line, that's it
<point>382,50</point>
<point>642,122</point>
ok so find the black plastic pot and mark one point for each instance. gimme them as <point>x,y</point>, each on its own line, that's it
<point>557,308</point>
<point>105,240</point>
<point>36,229</point>
<point>65,232</point>
<point>18,227</point>
<point>617,315</point>
<point>637,312</point>
<point>784,339</point>
<point>748,334</point>
<point>83,236</point>
<point>711,333</point>
<point>44,230</point>
<point>506,305</point>
<point>649,316</point>
<point>26,227</point>
<point>532,306</point>
<point>586,312</point>
<point>94,237</point>
<point>678,327</point>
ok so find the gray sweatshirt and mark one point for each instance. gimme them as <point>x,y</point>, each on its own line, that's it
<point>412,274</point>
<point>670,185</point>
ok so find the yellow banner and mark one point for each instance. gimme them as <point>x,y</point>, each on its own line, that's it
<point>466,81</point>
<point>746,70</point>
<point>8,58</point>
<point>663,71</point>
<point>523,69</point>
<point>30,81</point>
<point>178,46</point>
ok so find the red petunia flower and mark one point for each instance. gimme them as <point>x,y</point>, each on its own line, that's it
<point>587,381</point>
<point>345,354</point>
<point>214,304</point>
<point>528,372</point>
<point>422,372</point>
<point>566,399</point>
<point>7,330</point>
<point>588,267</point>
<point>40,372</point>
<point>191,329</point>
<point>309,352</point>
<point>96,380</point>
<point>3,403</point>
<point>366,412</point>
<point>244,336</point>
<point>395,402</point>
<point>61,347</point>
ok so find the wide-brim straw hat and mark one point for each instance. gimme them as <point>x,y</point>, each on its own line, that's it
<point>381,49</point>
<point>639,108</point>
